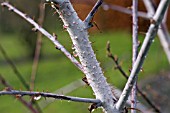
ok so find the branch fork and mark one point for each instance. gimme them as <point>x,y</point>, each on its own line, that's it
<point>77,30</point>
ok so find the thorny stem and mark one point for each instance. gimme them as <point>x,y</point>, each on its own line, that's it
<point>99,85</point>
<point>79,36</point>
<point>118,66</point>
<point>25,103</point>
<point>49,95</point>
<point>134,52</point>
<point>157,19</point>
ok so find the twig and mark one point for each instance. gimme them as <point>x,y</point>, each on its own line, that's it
<point>157,19</point>
<point>90,16</point>
<point>17,73</point>
<point>14,68</point>
<point>49,95</point>
<point>116,61</point>
<point>44,32</point>
<point>38,45</point>
<point>140,106</point>
<point>106,6</point>
<point>86,54</point>
<point>163,33</point>
<point>148,101</point>
<point>25,103</point>
<point>134,52</point>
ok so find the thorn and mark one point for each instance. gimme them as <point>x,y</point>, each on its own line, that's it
<point>54,13</point>
<point>94,23</point>
<point>55,36</point>
<point>18,96</point>
<point>93,106</point>
<point>84,79</point>
<point>57,47</point>
<point>129,7</point>
<point>75,54</point>
<point>108,46</point>
<point>65,27</point>
<point>34,29</point>
<point>139,43</point>
<point>7,89</point>
<point>116,58</point>
<point>142,70</point>
<point>152,21</point>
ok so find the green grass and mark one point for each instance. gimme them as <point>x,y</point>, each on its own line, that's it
<point>56,71</point>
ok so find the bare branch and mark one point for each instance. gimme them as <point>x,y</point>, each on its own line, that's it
<point>134,51</point>
<point>79,36</point>
<point>163,33</point>
<point>118,66</point>
<point>49,95</point>
<point>116,60</point>
<point>14,68</point>
<point>25,103</point>
<point>44,32</point>
<point>90,16</point>
<point>124,10</point>
<point>38,45</point>
<point>17,73</point>
<point>107,6</point>
<point>143,52</point>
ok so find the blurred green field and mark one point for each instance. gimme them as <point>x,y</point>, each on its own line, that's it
<point>56,71</point>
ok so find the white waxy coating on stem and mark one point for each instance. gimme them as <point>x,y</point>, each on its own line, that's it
<point>79,35</point>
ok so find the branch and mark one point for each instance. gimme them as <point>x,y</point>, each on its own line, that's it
<point>124,10</point>
<point>134,52</point>
<point>44,32</point>
<point>38,45</point>
<point>116,60</point>
<point>14,68</point>
<point>107,6</point>
<point>79,36</point>
<point>139,107</point>
<point>49,95</point>
<point>17,73</point>
<point>163,33</point>
<point>118,66</point>
<point>143,52</point>
<point>25,103</point>
<point>90,16</point>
